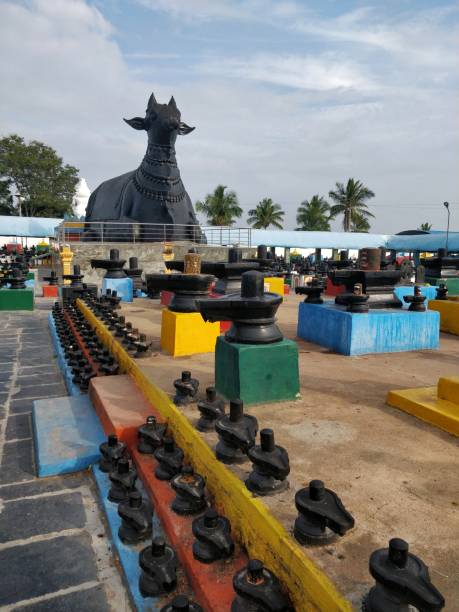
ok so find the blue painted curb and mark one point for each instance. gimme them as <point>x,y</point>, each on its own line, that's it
<point>67,435</point>
<point>67,373</point>
<point>128,555</point>
<point>378,331</point>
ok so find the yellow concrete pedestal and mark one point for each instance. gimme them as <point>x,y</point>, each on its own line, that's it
<point>186,333</point>
<point>449,314</point>
<point>437,405</point>
<point>275,284</point>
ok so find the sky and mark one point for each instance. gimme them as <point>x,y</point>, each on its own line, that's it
<point>287,96</point>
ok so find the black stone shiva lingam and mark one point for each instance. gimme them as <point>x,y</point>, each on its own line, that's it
<point>136,519</point>
<point>258,589</point>
<point>159,564</point>
<point>150,435</point>
<point>252,312</point>
<point>210,408</point>
<point>75,278</point>
<point>236,432</point>
<point>402,581</point>
<point>377,284</point>
<point>113,266</point>
<point>228,273</point>
<point>321,515</point>
<point>52,279</point>
<point>181,603</point>
<point>187,289</point>
<point>213,537</point>
<point>135,273</point>
<point>441,292</point>
<point>416,301</point>
<point>312,291</point>
<point>270,466</point>
<point>357,301</point>
<point>190,492</point>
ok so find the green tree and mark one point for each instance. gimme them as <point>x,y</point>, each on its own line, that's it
<point>360,224</point>
<point>43,183</point>
<point>219,207</point>
<point>6,199</point>
<point>314,215</point>
<point>265,214</point>
<point>425,227</point>
<point>350,202</point>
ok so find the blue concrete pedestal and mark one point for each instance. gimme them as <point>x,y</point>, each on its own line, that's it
<point>123,286</point>
<point>378,331</point>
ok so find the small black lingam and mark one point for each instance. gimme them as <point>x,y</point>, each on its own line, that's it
<point>159,564</point>
<point>150,436</point>
<point>187,289</point>
<point>252,312</point>
<point>416,301</point>
<point>75,278</point>
<point>258,589</point>
<point>181,603</point>
<point>211,408</point>
<point>236,432</point>
<point>312,291</point>
<point>190,492</point>
<point>270,466</point>
<point>52,279</point>
<point>135,273</point>
<point>321,515</point>
<point>402,581</point>
<point>111,452</point>
<point>213,537</point>
<point>441,292</point>
<point>113,266</point>
<point>136,519</point>
<point>169,458</point>
<point>123,479</point>
<point>186,389</point>
<point>357,301</point>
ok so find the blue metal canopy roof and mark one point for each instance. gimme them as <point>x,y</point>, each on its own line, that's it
<point>30,227</point>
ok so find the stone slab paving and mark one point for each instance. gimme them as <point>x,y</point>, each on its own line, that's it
<point>54,548</point>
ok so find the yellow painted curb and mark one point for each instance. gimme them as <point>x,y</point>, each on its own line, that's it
<point>449,314</point>
<point>425,404</point>
<point>262,535</point>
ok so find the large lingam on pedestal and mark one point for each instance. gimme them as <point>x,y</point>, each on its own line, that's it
<point>229,273</point>
<point>253,362</point>
<point>376,283</point>
<point>115,277</point>
<point>187,289</point>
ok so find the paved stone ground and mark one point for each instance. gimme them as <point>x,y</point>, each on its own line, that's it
<point>54,550</point>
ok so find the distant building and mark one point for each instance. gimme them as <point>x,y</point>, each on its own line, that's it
<point>80,199</point>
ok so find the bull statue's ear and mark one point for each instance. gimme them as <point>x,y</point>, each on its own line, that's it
<point>184,129</point>
<point>138,123</point>
<point>172,103</point>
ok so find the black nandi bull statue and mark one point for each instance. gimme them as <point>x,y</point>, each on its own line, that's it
<point>154,193</point>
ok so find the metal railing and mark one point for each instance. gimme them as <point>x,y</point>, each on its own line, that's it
<point>118,231</point>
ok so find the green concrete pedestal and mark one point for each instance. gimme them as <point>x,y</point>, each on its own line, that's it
<point>451,282</point>
<point>257,374</point>
<point>16,299</point>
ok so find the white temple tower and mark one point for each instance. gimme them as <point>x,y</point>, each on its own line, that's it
<point>81,197</point>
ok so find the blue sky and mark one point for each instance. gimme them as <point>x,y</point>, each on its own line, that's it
<point>287,96</point>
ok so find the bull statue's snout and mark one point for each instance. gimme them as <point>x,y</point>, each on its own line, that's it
<point>173,124</point>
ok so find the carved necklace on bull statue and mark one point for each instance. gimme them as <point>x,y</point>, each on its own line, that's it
<point>154,193</point>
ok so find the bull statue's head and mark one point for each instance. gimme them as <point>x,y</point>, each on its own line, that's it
<point>161,122</point>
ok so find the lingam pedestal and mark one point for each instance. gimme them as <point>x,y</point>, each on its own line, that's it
<point>253,361</point>
<point>183,330</point>
<point>16,296</point>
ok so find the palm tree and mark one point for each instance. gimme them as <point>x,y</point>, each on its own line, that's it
<point>314,215</point>
<point>425,227</point>
<point>219,207</point>
<point>360,224</point>
<point>265,214</point>
<point>350,202</point>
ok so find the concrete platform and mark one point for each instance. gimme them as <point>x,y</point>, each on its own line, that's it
<point>449,315</point>
<point>378,331</point>
<point>120,406</point>
<point>390,468</point>
<point>67,435</point>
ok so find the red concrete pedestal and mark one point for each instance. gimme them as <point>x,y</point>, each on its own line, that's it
<point>50,291</point>
<point>332,289</point>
